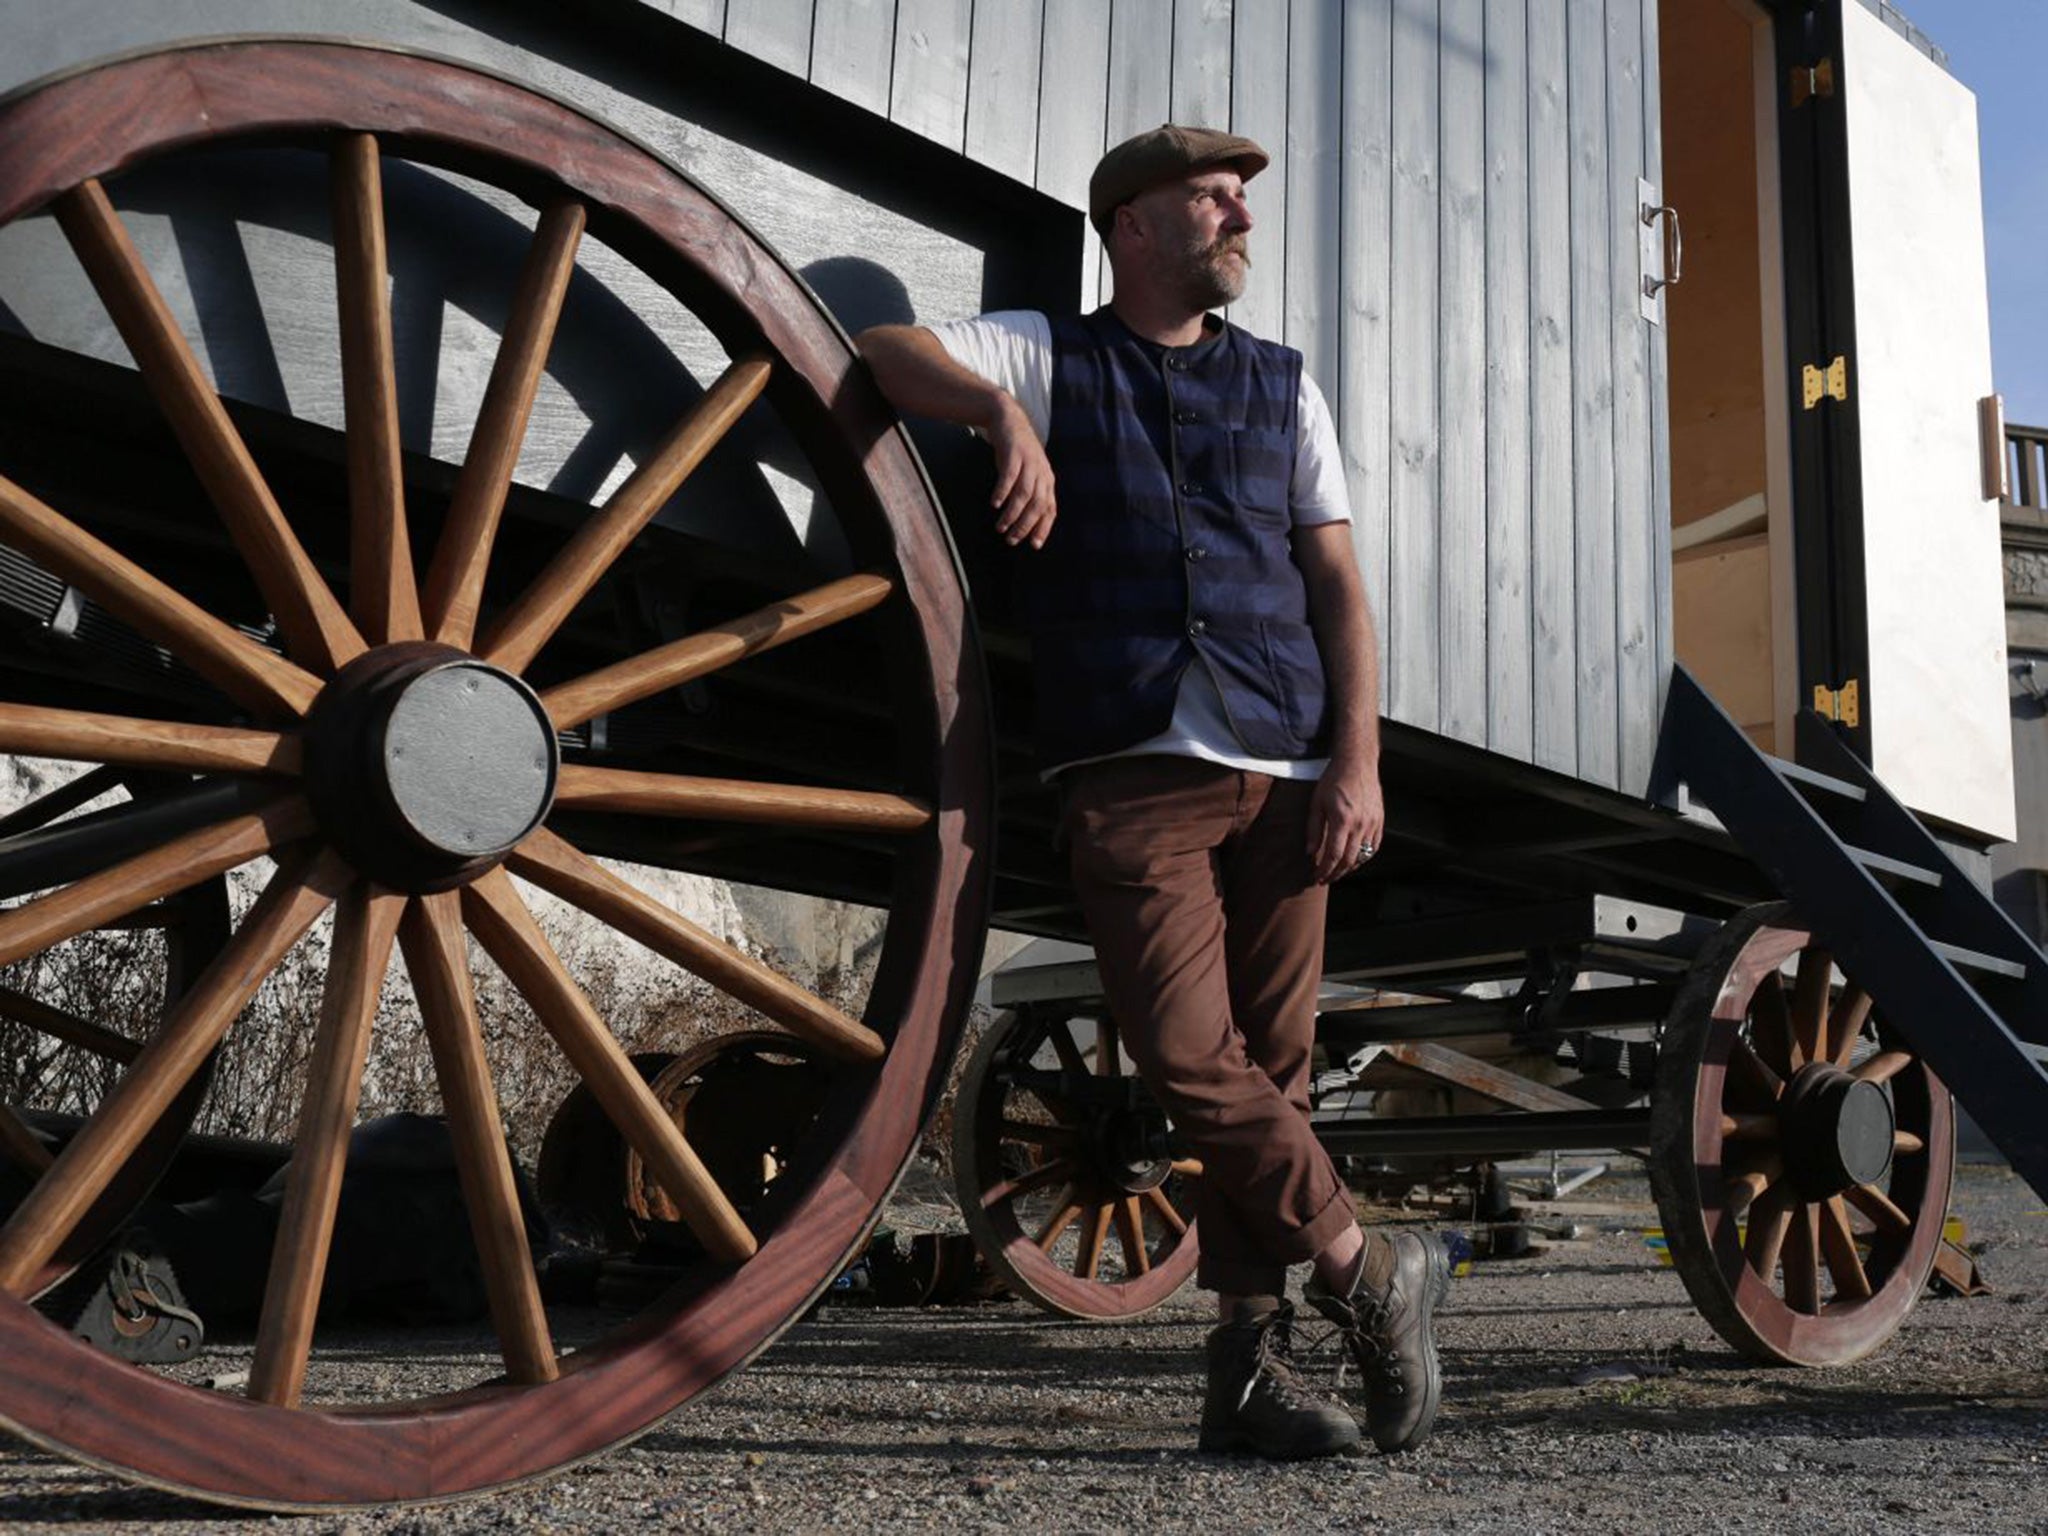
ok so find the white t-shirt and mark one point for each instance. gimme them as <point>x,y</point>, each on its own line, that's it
<point>1012,348</point>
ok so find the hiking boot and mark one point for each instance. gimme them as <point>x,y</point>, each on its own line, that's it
<point>1257,1403</point>
<point>1392,1339</point>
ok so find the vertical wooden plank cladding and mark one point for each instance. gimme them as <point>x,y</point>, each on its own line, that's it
<point>1002,87</point>
<point>777,32</point>
<point>1635,578</point>
<point>1509,637</point>
<point>1140,74</point>
<point>1553,601</point>
<point>1412,575</point>
<point>705,15</point>
<point>1315,88</point>
<point>1364,285</point>
<point>1461,393</point>
<point>853,47</point>
<point>1072,106</point>
<point>928,94</point>
<point>1201,61</point>
<point>1592,387</point>
<point>1660,401</point>
<point>1258,110</point>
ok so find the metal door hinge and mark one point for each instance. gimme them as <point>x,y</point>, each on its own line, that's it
<point>1809,81</point>
<point>1843,704</point>
<point>1831,382</point>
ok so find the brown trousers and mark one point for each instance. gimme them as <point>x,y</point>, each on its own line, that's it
<point>1208,929</point>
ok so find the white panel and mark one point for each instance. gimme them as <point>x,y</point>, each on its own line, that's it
<point>1940,732</point>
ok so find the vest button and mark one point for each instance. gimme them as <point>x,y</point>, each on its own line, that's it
<point>1196,552</point>
<point>1197,628</point>
<point>1189,488</point>
<point>1186,418</point>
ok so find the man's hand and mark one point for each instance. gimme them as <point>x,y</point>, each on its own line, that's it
<point>918,376</point>
<point>1023,498</point>
<point>1346,818</point>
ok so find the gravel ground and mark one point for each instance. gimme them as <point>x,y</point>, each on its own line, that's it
<point>1000,1418</point>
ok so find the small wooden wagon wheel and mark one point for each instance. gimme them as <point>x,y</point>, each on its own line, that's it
<point>1063,1172</point>
<point>399,768</point>
<point>1801,1152</point>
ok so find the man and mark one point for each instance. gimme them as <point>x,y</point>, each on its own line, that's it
<point>1206,685</point>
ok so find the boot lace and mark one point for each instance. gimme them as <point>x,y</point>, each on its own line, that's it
<point>1273,1363</point>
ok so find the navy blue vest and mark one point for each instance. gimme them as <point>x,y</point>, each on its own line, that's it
<point>1172,467</point>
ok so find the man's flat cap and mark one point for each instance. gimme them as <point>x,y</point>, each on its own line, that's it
<point>1162,154</point>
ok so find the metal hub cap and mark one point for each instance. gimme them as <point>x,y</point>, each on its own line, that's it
<point>427,766</point>
<point>1837,1131</point>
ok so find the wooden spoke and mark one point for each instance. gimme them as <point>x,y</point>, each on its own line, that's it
<point>1810,1005</point>
<point>298,893</point>
<point>501,922</point>
<point>437,959</point>
<point>1802,1261</point>
<point>786,805</point>
<point>1747,1068</point>
<point>1740,1127</point>
<point>1130,1236</point>
<point>21,1146</point>
<point>1089,1259</point>
<point>1057,1223</point>
<point>363,930</point>
<point>364,926</point>
<point>539,611</point>
<point>1884,1066</point>
<point>1745,1189</point>
<point>1907,1142</point>
<point>1188,1167</point>
<point>455,579</point>
<point>1175,1222</point>
<point>614,687</point>
<point>1771,1025</point>
<point>552,864</point>
<point>1838,1247</point>
<point>116,739</point>
<point>256,678</point>
<point>1061,1036</point>
<point>1038,1135</point>
<point>1879,1207</point>
<point>1770,1221</point>
<point>382,593</point>
<point>1106,1063</point>
<point>69,1028</point>
<point>181,862</point>
<point>313,624</point>
<point>1054,1172</point>
<point>1845,1025</point>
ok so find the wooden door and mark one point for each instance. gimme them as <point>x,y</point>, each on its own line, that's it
<point>1904,593</point>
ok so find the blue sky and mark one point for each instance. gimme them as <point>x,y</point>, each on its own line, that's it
<point>1999,49</point>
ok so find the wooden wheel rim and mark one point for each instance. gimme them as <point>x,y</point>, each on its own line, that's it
<point>60,1393</point>
<point>1014,1252</point>
<point>1690,1153</point>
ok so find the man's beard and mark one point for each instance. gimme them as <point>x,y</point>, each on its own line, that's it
<point>1211,277</point>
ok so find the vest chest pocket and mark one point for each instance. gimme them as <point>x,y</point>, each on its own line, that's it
<point>1262,471</point>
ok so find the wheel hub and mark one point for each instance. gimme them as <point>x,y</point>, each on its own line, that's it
<point>427,766</point>
<point>1836,1131</point>
<point>1127,1147</point>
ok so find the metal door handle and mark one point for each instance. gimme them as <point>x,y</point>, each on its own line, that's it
<point>1674,247</point>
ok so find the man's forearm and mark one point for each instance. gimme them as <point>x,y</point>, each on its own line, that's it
<point>919,378</point>
<point>1342,620</point>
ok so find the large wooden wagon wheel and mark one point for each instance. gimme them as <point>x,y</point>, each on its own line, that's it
<point>399,769</point>
<point>1801,1151</point>
<point>1063,1172</point>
